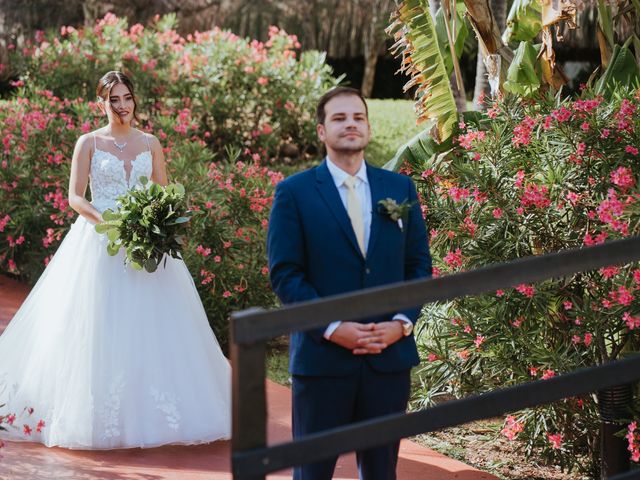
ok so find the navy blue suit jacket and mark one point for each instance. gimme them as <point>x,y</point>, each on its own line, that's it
<point>313,252</point>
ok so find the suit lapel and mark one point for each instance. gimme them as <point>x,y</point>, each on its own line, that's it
<point>330,195</point>
<point>376,184</point>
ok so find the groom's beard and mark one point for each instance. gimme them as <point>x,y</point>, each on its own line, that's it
<point>350,147</point>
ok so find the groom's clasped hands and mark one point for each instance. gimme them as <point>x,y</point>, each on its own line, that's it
<point>367,338</point>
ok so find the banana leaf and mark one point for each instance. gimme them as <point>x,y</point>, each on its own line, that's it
<point>523,77</point>
<point>420,151</point>
<point>460,35</point>
<point>524,21</point>
<point>622,70</point>
<point>416,41</point>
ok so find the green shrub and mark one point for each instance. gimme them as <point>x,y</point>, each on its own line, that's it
<point>240,92</point>
<point>530,178</point>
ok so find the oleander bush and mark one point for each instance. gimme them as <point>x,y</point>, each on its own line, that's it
<point>528,178</point>
<point>258,95</point>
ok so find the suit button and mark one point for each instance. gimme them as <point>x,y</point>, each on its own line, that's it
<point>368,271</point>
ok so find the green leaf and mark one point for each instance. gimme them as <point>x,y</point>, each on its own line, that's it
<point>420,152</point>
<point>417,42</point>
<point>110,215</point>
<point>606,22</point>
<point>104,227</point>
<point>135,265</point>
<point>113,235</point>
<point>113,248</point>
<point>523,77</point>
<point>622,70</point>
<point>179,220</point>
<point>524,21</point>
<point>460,36</point>
<point>154,189</point>
<point>151,265</point>
<point>144,180</point>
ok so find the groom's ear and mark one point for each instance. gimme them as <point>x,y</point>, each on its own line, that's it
<point>321,131</point>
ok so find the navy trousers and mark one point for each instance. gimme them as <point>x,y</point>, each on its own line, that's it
<point>322,402</point>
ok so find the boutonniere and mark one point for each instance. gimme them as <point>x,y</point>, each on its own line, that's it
<point>395,211</point>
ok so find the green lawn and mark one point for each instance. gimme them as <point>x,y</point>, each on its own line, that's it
<point>393,123</point>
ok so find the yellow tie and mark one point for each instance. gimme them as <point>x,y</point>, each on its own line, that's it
<point>354,210</point>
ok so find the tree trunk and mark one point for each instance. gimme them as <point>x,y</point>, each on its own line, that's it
<point>499,10</point>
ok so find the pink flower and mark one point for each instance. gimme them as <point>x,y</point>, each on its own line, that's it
<point>534,195</point>
<point>263,80</point>
<point>526,290</point>
<point>576,339</point>
<point>548,374</point>
<point>463,354</point>
<point>517,322</point>
<point>511,428</point>
<point>205,252</point>
<point>555,440</point>
<point>454,259</point>
<point>432,357</point>
<point>226,294</point>
<point>466,140</point>
<point>623,177</point>
<point>217,259</point>
<point>567,305</point>
<point>561,115</point>
<point>631,321</point>
<point>588,338</point>
<point>572,197</point>
<point>585,126</point>
<point>581,148</point>
<point>605,133</point>
<point>533,371</point>
<point>497,213</point>
<point>633,439</point>
<point>625,297</point>
<point>479,341</point>
<point>609,272</point>
<point>630,149</point>
<point>499,293</point>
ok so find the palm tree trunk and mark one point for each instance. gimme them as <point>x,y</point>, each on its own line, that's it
<point>499,10</point>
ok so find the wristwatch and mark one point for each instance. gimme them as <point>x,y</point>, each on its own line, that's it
<point>407,328</point>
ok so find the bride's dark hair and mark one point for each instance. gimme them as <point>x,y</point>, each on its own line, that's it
<point>108,81</point>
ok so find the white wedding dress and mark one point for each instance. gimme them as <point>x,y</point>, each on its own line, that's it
<point>110,357</point>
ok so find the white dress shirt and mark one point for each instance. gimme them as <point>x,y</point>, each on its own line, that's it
<point>363,191</point>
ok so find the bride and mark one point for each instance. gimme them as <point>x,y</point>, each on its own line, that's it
<point>110,357</point>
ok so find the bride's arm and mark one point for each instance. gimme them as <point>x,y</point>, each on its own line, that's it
<point>78,180</point>
<point>159,172</point>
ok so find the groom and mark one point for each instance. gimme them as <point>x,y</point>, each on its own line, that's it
<point>328,235</point>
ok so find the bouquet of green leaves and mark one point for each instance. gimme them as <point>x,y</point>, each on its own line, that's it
<point>149,223</point>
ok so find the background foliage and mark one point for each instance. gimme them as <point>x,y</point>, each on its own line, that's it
<point>224,109</point>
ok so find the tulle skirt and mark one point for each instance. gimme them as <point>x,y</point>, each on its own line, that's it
<point>110,357</point>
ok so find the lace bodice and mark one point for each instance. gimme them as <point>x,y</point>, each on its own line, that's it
<point>108,178</point>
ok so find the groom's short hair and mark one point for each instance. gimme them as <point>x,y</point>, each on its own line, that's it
<point>336,92</point>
